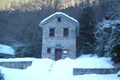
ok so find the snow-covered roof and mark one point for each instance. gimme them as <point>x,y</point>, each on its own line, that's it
<point>57,13</point>
<point>4,49</point>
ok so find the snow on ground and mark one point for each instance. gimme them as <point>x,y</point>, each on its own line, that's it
<point>89,61</point>
<point>63,67</point>
<point>39,66</point>
<point>47,69</point>
<point>6,49</point>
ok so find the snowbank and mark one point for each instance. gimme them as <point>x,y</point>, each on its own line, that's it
<point>6,49</point>
<point>46,69</point>
<point>39,66</point>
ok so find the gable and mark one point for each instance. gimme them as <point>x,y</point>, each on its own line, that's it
<point>60,16</point>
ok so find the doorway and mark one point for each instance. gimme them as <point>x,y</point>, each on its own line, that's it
<point>58,54</point>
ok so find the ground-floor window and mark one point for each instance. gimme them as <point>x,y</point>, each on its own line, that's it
<point>48,50</point>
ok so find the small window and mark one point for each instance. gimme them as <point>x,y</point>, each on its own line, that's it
<point>48,50</point>
<point>65,32</point>
<point>59,19</point>
<point>52,32</point>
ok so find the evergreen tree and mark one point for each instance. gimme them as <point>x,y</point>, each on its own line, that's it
<point>86,39</point>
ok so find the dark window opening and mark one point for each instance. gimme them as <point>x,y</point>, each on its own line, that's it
<point>59,19</point>
<point>65,32</point>
<point>52,32</point>
<point>48,50</point>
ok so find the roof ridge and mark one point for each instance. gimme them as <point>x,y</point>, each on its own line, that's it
<point>59,13</point>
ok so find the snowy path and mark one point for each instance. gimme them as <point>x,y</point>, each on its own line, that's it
<point>50,70</point>
<point>62,67</point>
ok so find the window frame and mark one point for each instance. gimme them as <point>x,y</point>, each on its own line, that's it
<point>48,50</point>
<point>65,32</point>
<point>59,19</point>
<point>52,32</point>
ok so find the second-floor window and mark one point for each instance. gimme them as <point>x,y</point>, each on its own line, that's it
<point>65,32</point>
<point>52,32</point>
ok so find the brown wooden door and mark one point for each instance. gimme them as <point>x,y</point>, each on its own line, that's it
<point>58,54</point>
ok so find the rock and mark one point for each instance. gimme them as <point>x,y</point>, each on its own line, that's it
<point>1,76</point>
<point>118,75</point>
<point>108,30</point>
<point>117,65</point>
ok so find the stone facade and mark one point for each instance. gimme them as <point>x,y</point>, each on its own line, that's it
<point>59,41</point>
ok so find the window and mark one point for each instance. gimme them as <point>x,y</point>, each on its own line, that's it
<point>52,32</point>
<point>59,19</point>
<point>48,50</point>
<point>65,32</point>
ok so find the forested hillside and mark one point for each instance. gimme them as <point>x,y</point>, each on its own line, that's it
<point>19,19</point>
<point>39,4</point>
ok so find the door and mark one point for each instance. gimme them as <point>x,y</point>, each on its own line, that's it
<point>58,54</point>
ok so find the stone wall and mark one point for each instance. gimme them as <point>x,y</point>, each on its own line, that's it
<point>81,71</point>
<point>16,65</point>
<point>2,55</point>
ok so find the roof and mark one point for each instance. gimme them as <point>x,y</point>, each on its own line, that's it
<point>44,21</point>
<point>4,49</point>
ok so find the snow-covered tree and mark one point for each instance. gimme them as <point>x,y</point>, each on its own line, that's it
<point>107,37</point>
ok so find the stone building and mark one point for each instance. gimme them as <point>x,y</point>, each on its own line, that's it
<point>59,36</point>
